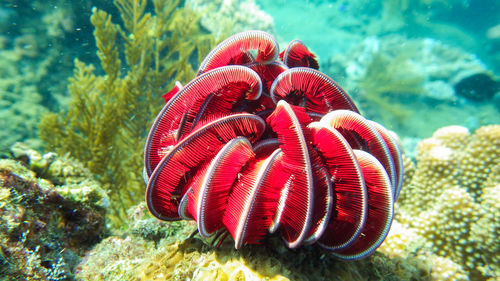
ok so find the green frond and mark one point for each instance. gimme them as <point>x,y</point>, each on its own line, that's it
<point>107,121</point>
<point>396,76</point>
<point>105,36</point>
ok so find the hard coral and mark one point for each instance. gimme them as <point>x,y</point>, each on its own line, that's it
<point>451,201</point>
<point>227,17</point>
<point>177,257</point>
<point>44,228</point>
<point>481,159</point>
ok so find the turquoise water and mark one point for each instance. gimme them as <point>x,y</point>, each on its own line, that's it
<point>462,34</point>
<point>414,66</point>
<point>40,40</point>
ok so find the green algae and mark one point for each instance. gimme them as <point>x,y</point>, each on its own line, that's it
<point>113,105</point>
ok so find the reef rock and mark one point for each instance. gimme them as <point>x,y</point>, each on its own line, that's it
<point>171,254</point>
<point>51,212</point>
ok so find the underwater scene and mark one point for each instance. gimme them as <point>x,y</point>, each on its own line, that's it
<point>250,140</point>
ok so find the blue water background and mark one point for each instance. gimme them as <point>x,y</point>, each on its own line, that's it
<point>333,29</point>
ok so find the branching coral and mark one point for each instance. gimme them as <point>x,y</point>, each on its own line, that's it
<point>451,202</point>
<point>105,124</point>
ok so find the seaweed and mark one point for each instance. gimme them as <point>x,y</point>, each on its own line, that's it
<point>112,107</point>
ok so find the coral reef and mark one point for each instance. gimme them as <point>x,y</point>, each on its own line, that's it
<point>106,123</point>
<point>39,40</point>
<point>397,80</point>
<point>425,60</point>
<point>20,100</point>
<point>344,24</point>
<point>442,242</point>
<point>137,256</point>
<point>449,205</point>
<point>227,17</point>
<point>46,226</point>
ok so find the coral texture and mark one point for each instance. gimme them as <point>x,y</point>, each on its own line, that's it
<point>450,206</point>
<point>109,113</point>
<point>20,99</point>
<point>45,226</point>
<point>137,257</point>
<point>224,17</point>
<point>38,43</point>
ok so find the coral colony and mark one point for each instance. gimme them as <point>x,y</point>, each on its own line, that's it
<point>262,142</point>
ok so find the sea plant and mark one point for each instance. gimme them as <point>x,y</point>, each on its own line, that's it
<point>112,105</point>
<point>386,77</point>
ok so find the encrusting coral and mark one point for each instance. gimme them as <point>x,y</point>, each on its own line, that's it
<point>106,123</point>
<point>45,225</point>
<point>451,203</point>
<point>176,256</point>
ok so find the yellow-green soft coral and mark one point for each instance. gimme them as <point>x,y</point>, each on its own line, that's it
<point>450,204</point>
<point>105,126</point>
